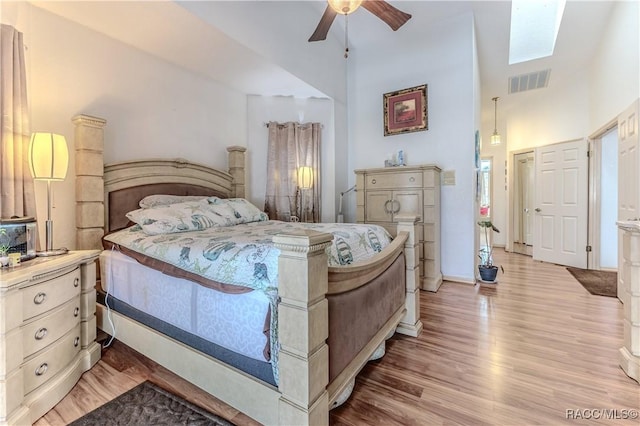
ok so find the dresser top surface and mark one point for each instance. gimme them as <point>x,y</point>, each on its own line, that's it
<point>397,169</point>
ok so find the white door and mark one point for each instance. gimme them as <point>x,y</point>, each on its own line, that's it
<point>628,189</point>
<point>561,204</point>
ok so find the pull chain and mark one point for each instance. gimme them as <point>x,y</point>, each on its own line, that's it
<point>346,36</point>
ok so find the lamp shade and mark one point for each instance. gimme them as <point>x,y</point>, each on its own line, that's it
<point>305,177</point>
<point>48,156</point>
<point>345,6</point>
<point>495,138</point>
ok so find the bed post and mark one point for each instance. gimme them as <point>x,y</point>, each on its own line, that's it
<point>236,170</point>
<point>303,316</point>
<point>410,323</point>
<point>89,145</point>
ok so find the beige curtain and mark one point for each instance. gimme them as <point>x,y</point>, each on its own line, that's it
<point>17,197</point>
<point>291,146</point>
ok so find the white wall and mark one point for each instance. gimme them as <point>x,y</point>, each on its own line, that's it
<point>615,71</point>
<point>282,109</point>
<point>152,108</point>
<point>443,60</point>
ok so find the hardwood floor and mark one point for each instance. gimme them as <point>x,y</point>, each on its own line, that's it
<point>533,350</point>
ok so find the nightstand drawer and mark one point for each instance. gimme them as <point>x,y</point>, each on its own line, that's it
<point>42,297</point>
<point>57,356</point>
<point>45,331</point>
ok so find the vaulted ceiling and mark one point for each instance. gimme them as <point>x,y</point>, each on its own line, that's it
<point>168,30</point>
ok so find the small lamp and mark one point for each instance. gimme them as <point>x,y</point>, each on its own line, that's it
<point>305,182</point>
<point>49,160</point>
<point>340,215</point>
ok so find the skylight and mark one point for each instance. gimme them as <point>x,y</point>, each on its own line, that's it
<point>534,28</point>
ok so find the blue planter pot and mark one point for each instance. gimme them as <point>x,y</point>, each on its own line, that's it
<point>488,273</point>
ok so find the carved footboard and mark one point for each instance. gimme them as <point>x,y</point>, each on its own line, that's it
<point>311,292</point>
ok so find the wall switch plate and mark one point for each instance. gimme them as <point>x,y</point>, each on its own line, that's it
<point>449,177</point>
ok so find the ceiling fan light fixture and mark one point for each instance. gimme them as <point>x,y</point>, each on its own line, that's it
<point>345,7</point>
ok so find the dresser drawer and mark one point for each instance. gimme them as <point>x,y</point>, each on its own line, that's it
<point>393,180</point>
<point>53,359</point>
<point>42,332</point>
<point>47,295</point>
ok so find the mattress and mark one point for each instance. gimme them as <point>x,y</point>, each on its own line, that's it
<point>237,322</point>
<point>241,257</point>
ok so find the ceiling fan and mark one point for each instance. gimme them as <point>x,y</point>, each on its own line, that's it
<point>390,15</point>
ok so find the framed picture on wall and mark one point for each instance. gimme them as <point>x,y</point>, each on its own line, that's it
<point>405,110</point>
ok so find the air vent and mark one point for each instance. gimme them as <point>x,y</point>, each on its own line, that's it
<point>531,81</point>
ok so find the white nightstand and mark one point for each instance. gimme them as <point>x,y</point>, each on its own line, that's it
<point>47,332</point>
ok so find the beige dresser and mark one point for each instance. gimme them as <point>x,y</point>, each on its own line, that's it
<point>47,332</point>
<point>386,193</point>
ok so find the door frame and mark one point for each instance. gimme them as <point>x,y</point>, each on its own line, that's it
<point>595,154</point>
<point>511,178</point>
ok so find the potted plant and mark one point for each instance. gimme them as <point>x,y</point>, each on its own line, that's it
<point>4,247</point>
<point>486,268</point>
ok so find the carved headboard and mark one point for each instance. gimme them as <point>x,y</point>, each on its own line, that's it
<point>105,193</point>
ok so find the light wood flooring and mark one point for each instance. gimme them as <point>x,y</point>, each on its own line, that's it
<point>522,353</point>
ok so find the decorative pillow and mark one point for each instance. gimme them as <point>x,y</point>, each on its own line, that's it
<point>181,217</point>
<point>158,200</point>
<point>243,210</point>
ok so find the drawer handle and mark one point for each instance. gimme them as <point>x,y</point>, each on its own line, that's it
<point>373,181</point>
<point>76,342</point>
<point>76,311</point>
<point>41,334</point>
<point>76,282</point>
<point>386,208</point>
<point>412,179</point>
<point>42,369</point>
<point>393,202</point>
<point>39,298</point>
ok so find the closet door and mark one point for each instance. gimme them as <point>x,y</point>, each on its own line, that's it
<point>561,204</point>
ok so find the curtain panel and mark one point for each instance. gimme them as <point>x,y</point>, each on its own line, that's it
<point>17,196</point>
<point>292,146</point>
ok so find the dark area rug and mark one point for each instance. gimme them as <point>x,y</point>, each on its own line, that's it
<point>601,283</point>
<point>147,404</point>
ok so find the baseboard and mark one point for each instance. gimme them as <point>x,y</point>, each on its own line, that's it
<point>461,280</point>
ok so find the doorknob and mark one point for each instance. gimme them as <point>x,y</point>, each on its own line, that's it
<point>525,210</point>
<point>538,210</point>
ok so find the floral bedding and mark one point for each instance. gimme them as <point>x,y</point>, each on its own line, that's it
<point>244,254</point>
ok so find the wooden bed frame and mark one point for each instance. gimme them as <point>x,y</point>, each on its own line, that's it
<point>304,395</point>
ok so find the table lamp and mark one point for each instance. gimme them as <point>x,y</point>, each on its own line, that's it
<point>48,160</point>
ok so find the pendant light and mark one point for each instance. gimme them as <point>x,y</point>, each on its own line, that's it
<point>495,137</point>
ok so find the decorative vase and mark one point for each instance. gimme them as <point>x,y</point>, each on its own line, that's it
<point>488,273</point>
<point>4,260</point>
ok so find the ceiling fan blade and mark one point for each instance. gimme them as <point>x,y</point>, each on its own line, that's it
<point>393,17</point>
<point>323,26</point>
